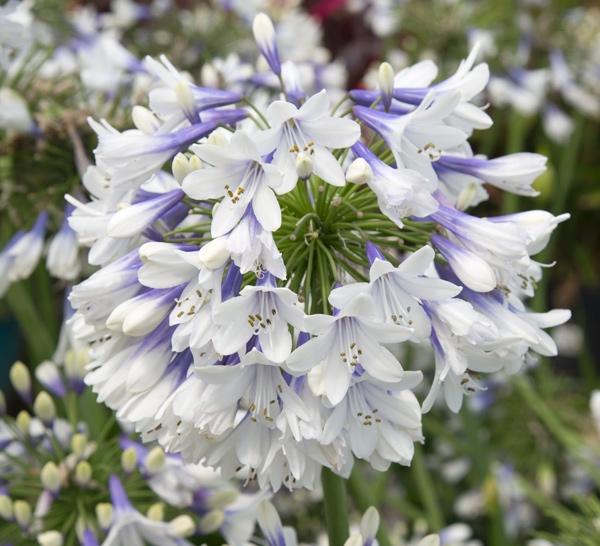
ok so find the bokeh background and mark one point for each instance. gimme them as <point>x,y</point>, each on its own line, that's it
<point>521,460</point>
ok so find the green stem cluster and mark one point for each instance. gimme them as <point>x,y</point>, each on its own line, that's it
<point>324,232</point>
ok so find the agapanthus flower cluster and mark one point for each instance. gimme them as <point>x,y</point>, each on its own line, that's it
<point>68,477</point>
<point>260,267</point>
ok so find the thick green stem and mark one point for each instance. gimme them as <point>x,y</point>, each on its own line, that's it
<point>361,493</point>
<point>427,491</point>
<point>336,507</point>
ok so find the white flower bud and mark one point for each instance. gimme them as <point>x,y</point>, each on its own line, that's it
<point>78,444</point>
<point>222,499</point>
<point>75,362</point>
<point>6,507</point>
<point>104,514</point>
<point>183,165</point>
<point>263,30</point>
<point>144,119</point>
<point>369,523</point>
<point>48,375</point>
<point>211,522</point>
<point>155,460</point>
<point>304,165</point>
<point>430,540</point>
<point>184,96</point>
<point>179,166</point>
<point>386,83</point>
<point>156,512</point>
<point>219,137</point>
<point>50,538</point>
<point>209,75</point>
<point>23,421</point>
<point>182,526</point>
<point>359,172</point>
<point>214,254</point>
<point>44,407</point>
<point>22,512</point>
<point>50,477</point>
<point>466,196</point>
<point>83,473</point>
<point>20,378</point>
<point>355,539</point>
<point>129,459</point>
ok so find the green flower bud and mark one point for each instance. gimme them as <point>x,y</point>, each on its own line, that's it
<point>50,538</point>
<point>23,421</point>
<point>6,507</point>
<point>156,512</point>
<point>209,523</point>
<point>44,407</point>
<point>22,512</point>
<point>20,378</point>
<point>104,513</point>
<point>129,459</point>
<point>183,526</point>
<point>78,444</point>
<point>222,499</point>
<point>50,477</point>
<point>155,460</point>
<point>83,473</point>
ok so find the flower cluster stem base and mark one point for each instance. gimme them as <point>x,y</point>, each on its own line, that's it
<point>336,507</point>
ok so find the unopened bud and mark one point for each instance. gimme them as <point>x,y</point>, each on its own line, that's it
<point>185,98</point>
<point>214,254</point>
<point>144,119</point>
<point>83,473</point>
<point>78,444</point>
<point>75,362</point>
<point>355,539</point>
<point>104,514</point>
<point>386,83</point>
<point>156,512</point>
<point>182,526</point>
<point>264,34</point>
<point>304,165</point>
<point>22,512</point>
<point>6,507</point>
<point>23,421</point>
<point>222,499</point>
<point>466,196</point>
<point>21,379</point>
<point>369,523</point>
<point>263,30</point>
<point>48,375</point>
<point>44,407</point>
<point>209,75</point>
<point>183,165</point>
<point>50,477</point>
<point>359,172</point>
<point>430,540</point>
<point>546,479</point>
<point>129,459</point>
<point>50,538</point>
<point>155,460</point>
<point>219,137</point>
<point>211,522</point>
